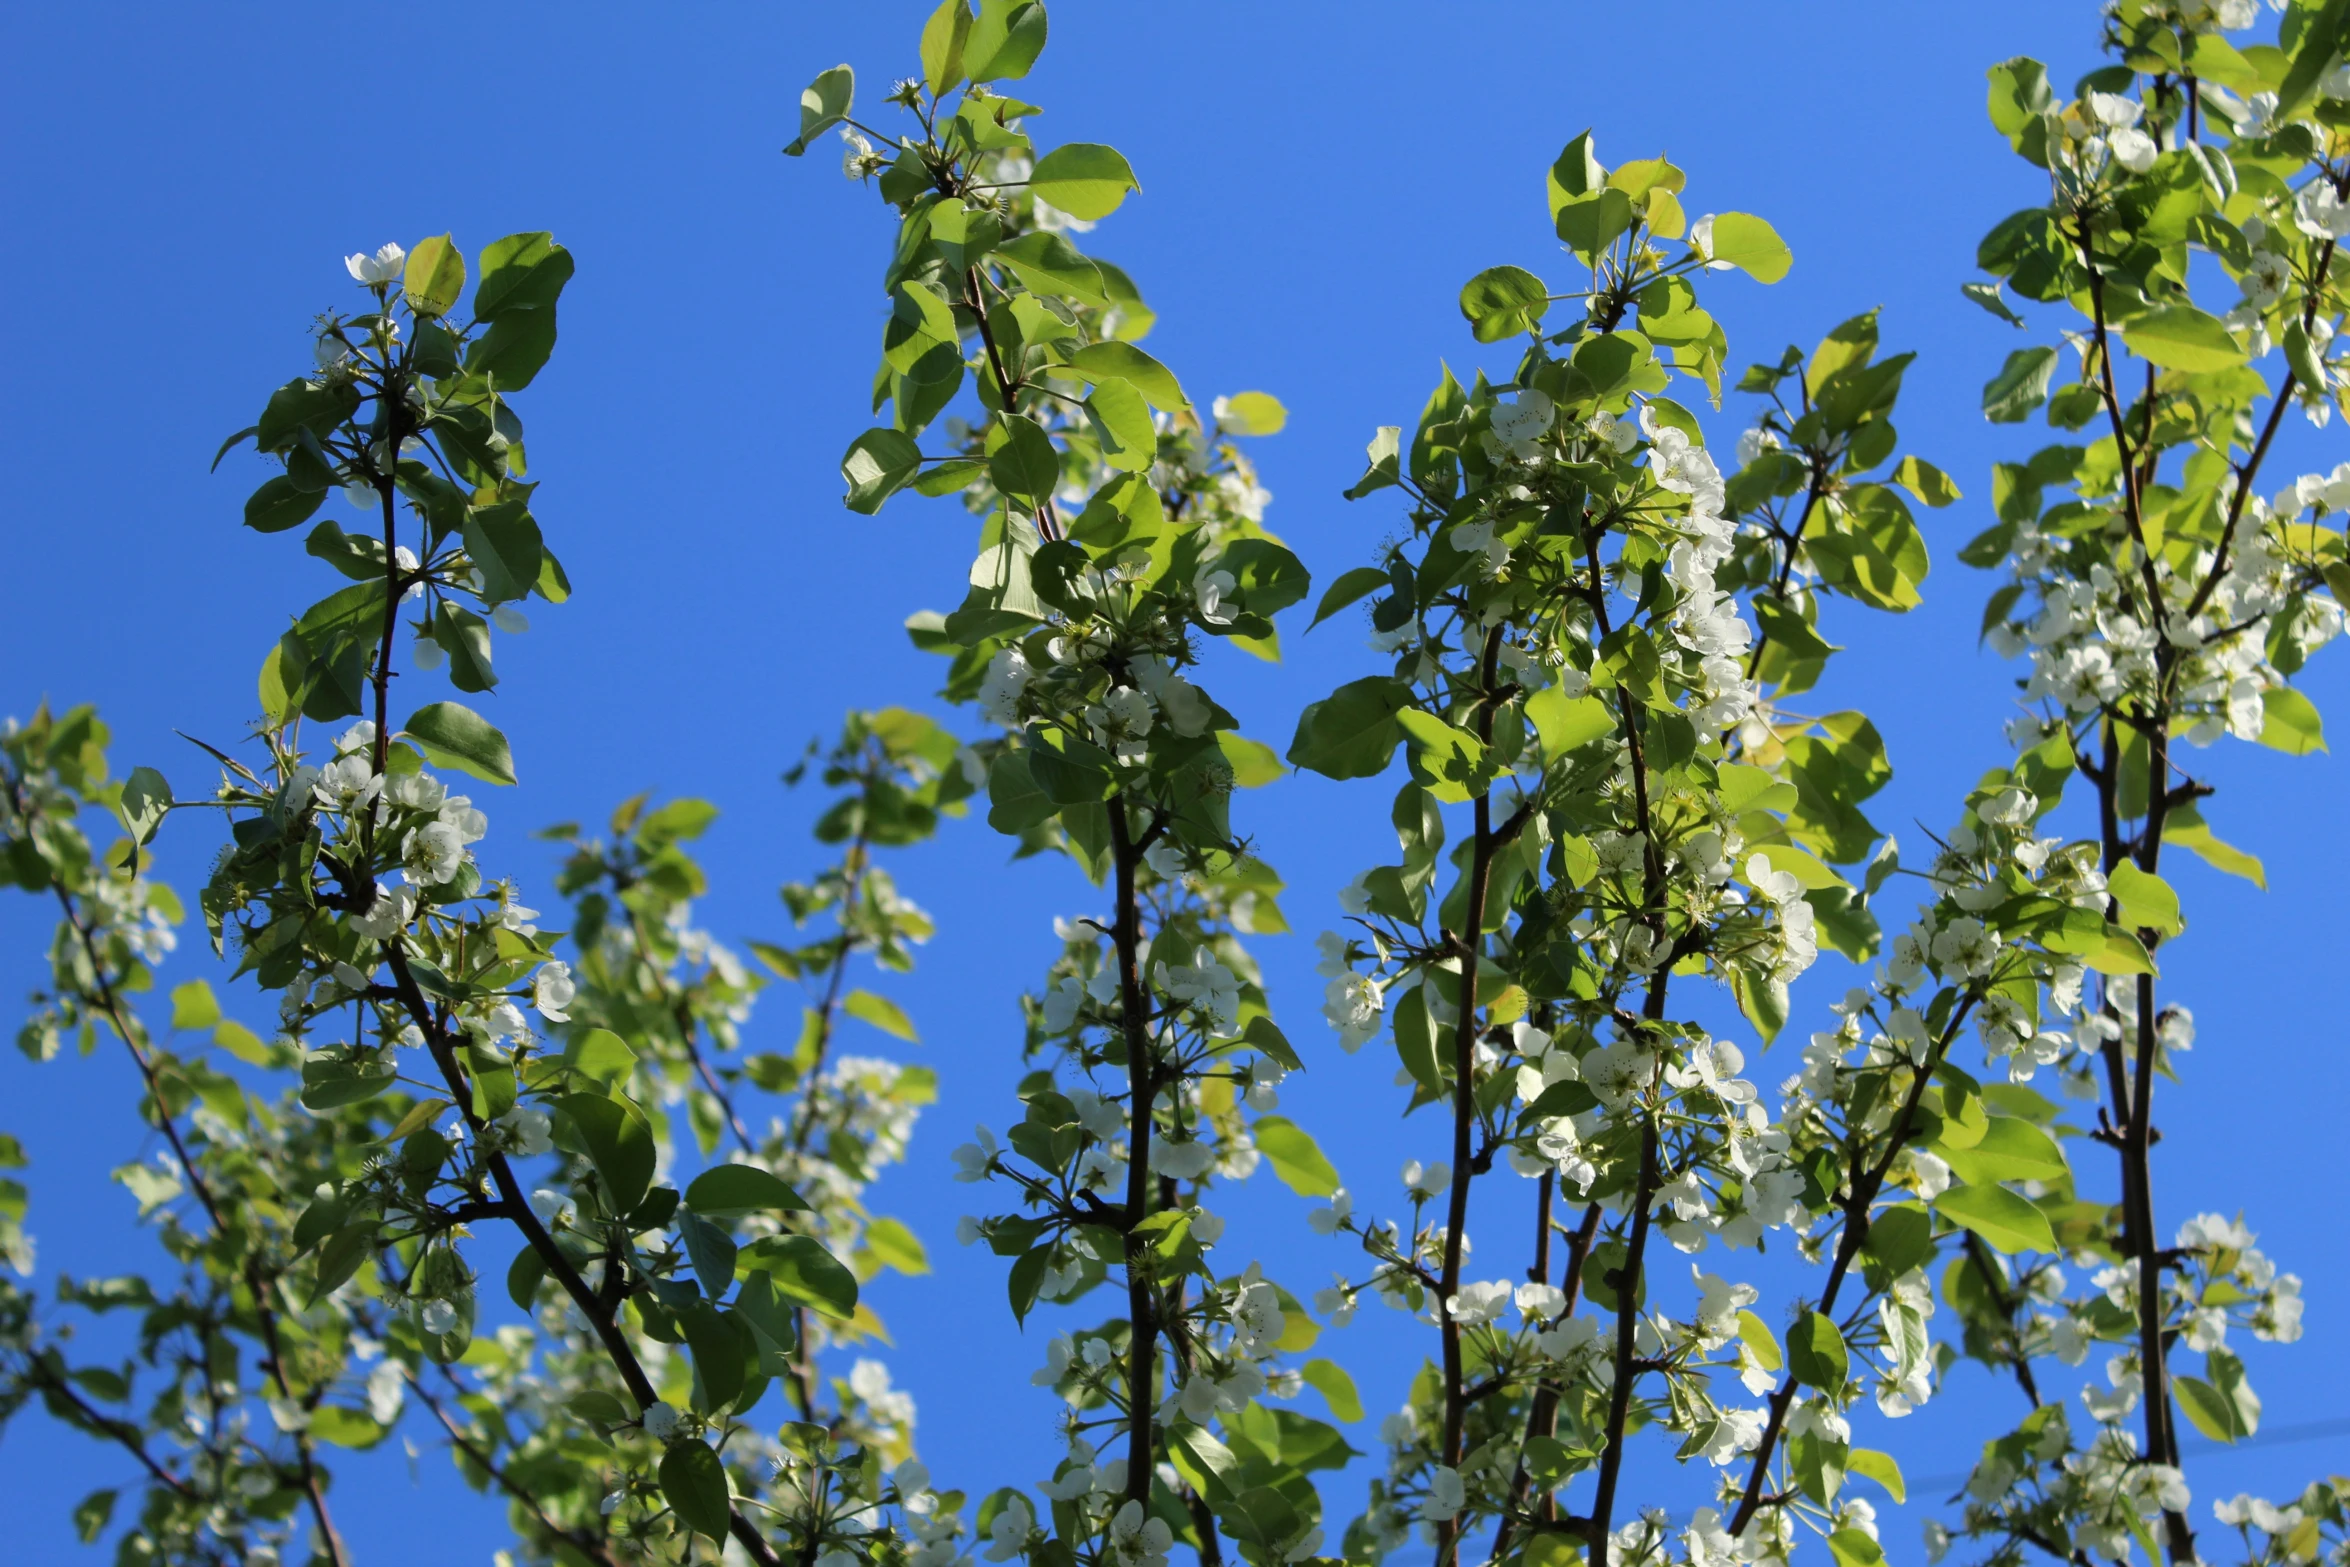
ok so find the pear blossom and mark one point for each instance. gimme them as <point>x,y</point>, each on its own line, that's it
<point>1353,1004</point>
<point>972,1159</point>
<point>1008,675</point>
<point>526,1130</point>
<point>1478,1304</point>
<point>379,269</point>
<point>1446,1496</point>
<point>553,991</point>
<point>1213,588</point>
<point>1520,422</point>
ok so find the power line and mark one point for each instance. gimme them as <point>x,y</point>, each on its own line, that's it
<point>2275,1436</point>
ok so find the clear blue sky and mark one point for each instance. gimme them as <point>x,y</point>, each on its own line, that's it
<point>179,185</point>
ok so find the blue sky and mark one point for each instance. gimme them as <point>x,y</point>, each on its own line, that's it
<point>181,183</point>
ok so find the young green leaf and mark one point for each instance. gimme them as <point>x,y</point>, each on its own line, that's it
<point>1083,179</point>
<point>450,735</point>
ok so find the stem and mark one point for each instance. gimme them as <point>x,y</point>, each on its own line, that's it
<point>122,1431</point>
<point>1542,1417</point>
<point>1987,1270</point>
<point>828,1009</point>
<point>1203,1517</point>
<point>131,1034</point>
<point>975,298</point>
<point>681,1013</point>
<point>2268,431</point>
<point>1142,1089</point>
<point>1470,944</point>
<point>1627,1281</point>
<point>600,1315</point>
<point>1794,541</point>
<point>1627,1287</point>
<point>1866,1182</point>
<point>578,1539</point>
<point>2136,1150</point>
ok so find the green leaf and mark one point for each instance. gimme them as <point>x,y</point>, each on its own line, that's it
<point>824,103</point>
<point>1026,1279</point>
<point>2008,1149</point>
<point>601,1054</point>
<point>1049,264</point>
<point>2291,724</point>
<point>520,272</point>
<point>724,1348</point>
<point>711,1251</point>
<point>2147,901</point>
<point>882,1013</point>
<point>741,1188</point>
<point>1296,1158</point>
<point>1258,1516</point>
<point>434,279</point>
<point>504,544</point>
<point>1576,172</point>
<point>515,348</point>
<point>1502,302</point>
<point>1988,296</point>
<point>1352,732</point>
<point>451,735</point>
<point>465,637</point>
<point>1329,1378</point>
<point>1027,467</point>
<point>1760,1341</point>
<point>2185,827</point>
<point>345,1427</point>
<point>1252,413</point>
<point>92,1514</point>
<point>339,1258</point>
<point>1450,761</point>
<point>2117,951</point>
<point>1881,1468</point>
<point>1816,1356</point>
<point>1083,179</point>
<point>879,463</point>
<point>2003,1219</point>
<point>1748,243</point>
<point>2020,386</point>
<point>1385,452</point>
<point>1122,423</point>
<point>523,1277</point>
<point>943,37</point>
<point>2315,48</point>
<point>1004,41</point>
<point>1852,1548</point>
<point>1351,587</point>
<point>1565,722</point>
<point>231,444</point>
<point>1125,362</point>
<point>146,796</point>
<point>280,504</point>
<point>694,1483</point>
<point>2181,337</point>
<point>1590,223</point>
<point>617,1141</point>
<point>1925,481</point>
<point>895,1246</point>
<point>193,1005</point>
<point>804,1271</point>
<point>299,405</point>
<point>2211,1410</point>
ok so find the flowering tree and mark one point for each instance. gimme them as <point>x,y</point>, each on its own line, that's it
<point>1592,645</point>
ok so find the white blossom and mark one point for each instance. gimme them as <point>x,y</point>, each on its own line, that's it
<point>381,268</point>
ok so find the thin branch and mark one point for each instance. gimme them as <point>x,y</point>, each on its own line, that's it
<point>578,1539</point>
